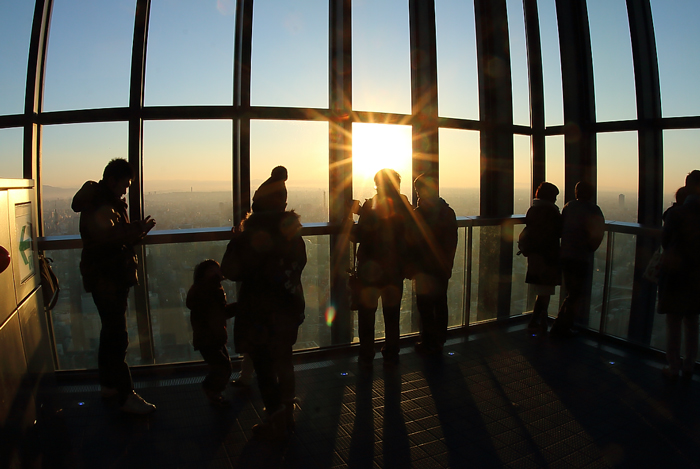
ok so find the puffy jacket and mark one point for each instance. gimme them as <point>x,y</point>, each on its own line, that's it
<point>209,312</point>
<point>108,237</point>
<point>433,239</point>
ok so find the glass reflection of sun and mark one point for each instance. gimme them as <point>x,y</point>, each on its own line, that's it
<point>377,146</point>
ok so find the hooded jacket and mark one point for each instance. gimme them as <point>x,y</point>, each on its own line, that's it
<point>108,237</point>
<point>433,239</point>
<point>544,224</point>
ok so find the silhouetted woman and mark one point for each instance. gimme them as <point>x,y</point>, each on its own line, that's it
<point>679,280</point>
<point>543,222</point>
<point>381,234</point>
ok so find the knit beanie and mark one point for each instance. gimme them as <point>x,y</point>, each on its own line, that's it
<point>271,196</point>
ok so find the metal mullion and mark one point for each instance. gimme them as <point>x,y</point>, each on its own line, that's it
<point>536,84</point>
<point>610,247</point>
<point>135,156</point>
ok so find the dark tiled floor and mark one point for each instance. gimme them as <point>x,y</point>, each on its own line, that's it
<point>499,398</point>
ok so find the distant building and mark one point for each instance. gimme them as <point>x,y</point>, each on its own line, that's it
<point>622,200</point>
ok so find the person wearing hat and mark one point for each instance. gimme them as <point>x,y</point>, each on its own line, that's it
<point>271,298</point>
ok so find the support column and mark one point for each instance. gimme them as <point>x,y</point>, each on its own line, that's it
<point>340,164</point>
<point>496,113</point>
<point>536,81</point>
<point>651,166</point>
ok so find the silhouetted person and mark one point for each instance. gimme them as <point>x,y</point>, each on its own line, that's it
<point>206,300</point>
<point>108,266</point>
<point>583,228</point>
<point>681,195</point>
<point>432,246</point>
<point>381,234</point>
<point>543,223</point>
<point>679,280</point>
<point>271,303</point>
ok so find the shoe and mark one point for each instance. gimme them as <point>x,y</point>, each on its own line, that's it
<point>365,363</point>
<point>391,363</point>
<point>289,407</point>
<point>669,374</point>
<point>136,404</point>
<point>237,383</point>
<point>542,327</point>
<point>216,399</point>
<point>274,428</point>
<point>107,393</point>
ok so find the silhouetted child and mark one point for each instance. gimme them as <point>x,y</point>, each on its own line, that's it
<point>206,300</point>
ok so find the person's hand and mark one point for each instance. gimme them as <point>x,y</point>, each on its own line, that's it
<point>147,224</point>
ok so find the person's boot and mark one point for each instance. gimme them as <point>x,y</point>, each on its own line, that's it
<point>289,414</point>
<point>274,427</point>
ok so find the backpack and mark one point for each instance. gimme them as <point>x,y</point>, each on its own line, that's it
<point>49,282</point>
<point>526,245</point>
<point>232,263</point>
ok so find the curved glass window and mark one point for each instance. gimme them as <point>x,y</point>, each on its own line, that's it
<point>680,148</point>
<point>458,86</point>
<point>554,165</point>
<point>190,52</point>
<point>613,70</point>
<point>677,37</point>
<point>518,63</point>
<point>88,60</point>
<point>522,174</point>
<point>460,174</point>
<point>11,156</point>
<point>618,175</point>
<point>551,63</point>
<point>73,154</point>
<point>381,66</point>
<point>301,147</point>
<point>290,53</point>
<point>187,173</point>
<point>15,33</point>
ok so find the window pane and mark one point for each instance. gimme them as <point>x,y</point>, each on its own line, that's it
<point>71,155</point>
<point>459,170</point>
<point>554,164</point>
<point>518,63</point>
<point>522,174</point>
<point>179,157</point>
<point>89,54</point>
<point>519,289</point>
<point>618,175</point>
<point>680,150</point>
<point>190,52</point>
<point>11,157</point>
<point>290,53</point>
<point>599,260</point>
<point>621,279</point>
<point>613,70</point>
<point>677,35</point>
<point>458,86</point>
<point>378,146</point>
<point>76,323</point>
<point>381,65</point>
<point>15,34</point>
<point>551,63</point>
<point>301,147</point>
<point>170,269</point>
<point>455,290</point>
<point>315,331</point>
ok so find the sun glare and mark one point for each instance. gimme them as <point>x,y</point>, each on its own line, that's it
<point>378,146</point>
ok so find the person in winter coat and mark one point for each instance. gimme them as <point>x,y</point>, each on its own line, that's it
<point>206,300</point>
<point>432,244</point>
<point>583,228</point>
<point>679,280</point>
<point>381,260</point>
<point>543,224</point>
<point>271,305</point>
<point>108,267</point>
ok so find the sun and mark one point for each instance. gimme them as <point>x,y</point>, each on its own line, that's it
<point>378,146</point>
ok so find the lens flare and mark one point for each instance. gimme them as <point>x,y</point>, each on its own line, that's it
<point>330,316</point>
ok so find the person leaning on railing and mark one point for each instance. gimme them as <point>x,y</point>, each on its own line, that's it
<point>679,280</point>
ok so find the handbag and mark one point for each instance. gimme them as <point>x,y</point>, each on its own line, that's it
<point>651,273</point>
<point>354,283</point>
<point>49,282</point>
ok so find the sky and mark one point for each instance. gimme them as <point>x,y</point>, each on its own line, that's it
<point>190,62</point>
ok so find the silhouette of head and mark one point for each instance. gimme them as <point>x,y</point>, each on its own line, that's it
<point>584,191</point>
<point>206,269</point>
<point>692,181</point>
<point>547,191</point>
<point>426,186</point>
<point>118,175</point>
<point>271,196</point>
<point>681,195</point>
<point>387,182</point>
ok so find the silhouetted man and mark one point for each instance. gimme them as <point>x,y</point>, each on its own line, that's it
<point>108,266</point>
<point>583,227</point>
